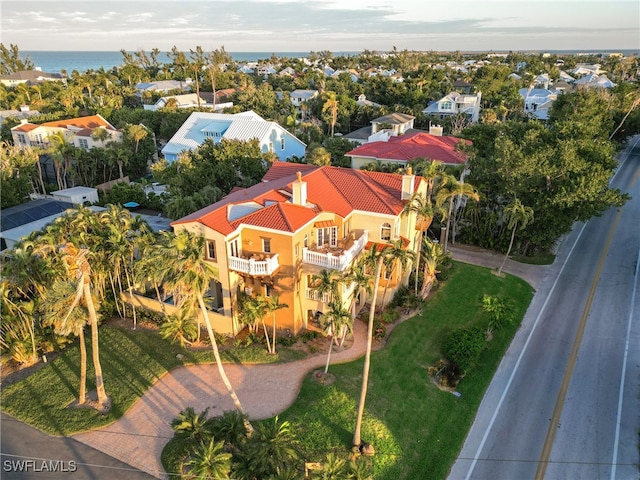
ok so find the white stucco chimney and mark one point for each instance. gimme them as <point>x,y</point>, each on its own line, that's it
<point>407,183</point>
<point>299,190</point>
<point>435,130</point>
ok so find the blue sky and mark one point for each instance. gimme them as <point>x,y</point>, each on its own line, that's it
<point>336,25</point>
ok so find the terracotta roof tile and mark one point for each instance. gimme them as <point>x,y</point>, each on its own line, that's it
<point>329,189</point>
<point>409,147</point>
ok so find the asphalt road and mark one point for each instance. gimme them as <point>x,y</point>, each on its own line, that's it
<point>565,403</point>
<point>29,454</point>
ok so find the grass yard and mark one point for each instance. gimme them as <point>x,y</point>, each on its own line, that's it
<point>131,362</point>
<point>417,430</point>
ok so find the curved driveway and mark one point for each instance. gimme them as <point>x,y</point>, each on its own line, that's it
<point>138,437</point>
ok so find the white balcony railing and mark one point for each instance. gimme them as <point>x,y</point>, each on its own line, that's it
<point>254,267</point>
<point>336,261</point>
<point>313,294</point>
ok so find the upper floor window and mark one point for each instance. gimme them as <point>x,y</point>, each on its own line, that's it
<point>385,232</point>
<point>446,105</point>
<point>211,250</point>
<point>306,241</point>
<point>282,144</point>
<point>328,235</point>
<point>266,245</point>
<point>83,143</point>
<point>268,290</point>
<point>234,251</point>
<point>22,139</point>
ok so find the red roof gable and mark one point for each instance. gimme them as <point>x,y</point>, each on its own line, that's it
<point>329,189</point>
<point>416,145</point>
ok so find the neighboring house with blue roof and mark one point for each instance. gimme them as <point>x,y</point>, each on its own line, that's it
<point>243,126</point>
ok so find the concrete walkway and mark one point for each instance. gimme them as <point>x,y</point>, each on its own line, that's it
<point>138,437</point>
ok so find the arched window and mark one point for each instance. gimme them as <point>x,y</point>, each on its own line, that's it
<point>385,231</point>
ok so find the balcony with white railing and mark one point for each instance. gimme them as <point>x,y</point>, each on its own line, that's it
<point>313,294</point>
<point>336,258</point>
<point>254,266</point>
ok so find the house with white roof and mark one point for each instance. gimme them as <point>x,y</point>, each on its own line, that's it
<point>245,126</point>
<point>537,101</point>
<point>595,80</point>
<point>189,100</point>
<point>298,96</point>
<point>454,103</point>
<point>163,86</point>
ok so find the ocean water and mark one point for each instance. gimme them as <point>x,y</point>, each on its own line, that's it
<point>55,62</point>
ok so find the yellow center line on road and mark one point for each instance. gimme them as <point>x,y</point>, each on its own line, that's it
<point>562,394</point>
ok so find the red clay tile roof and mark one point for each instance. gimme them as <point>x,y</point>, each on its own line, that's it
<point>86,124</point>
<point>285,169</point>
<point>25,127</point>
<point>416,145</point>
<point>278,216</point>
<point>329,189</point>
<point>91,122</point>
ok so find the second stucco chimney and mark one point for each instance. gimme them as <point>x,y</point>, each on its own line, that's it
<point>407,183</point>
<point>435,130</point>
<point>299,190</point>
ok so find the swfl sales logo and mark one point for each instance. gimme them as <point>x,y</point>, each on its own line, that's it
<point>39,466</point>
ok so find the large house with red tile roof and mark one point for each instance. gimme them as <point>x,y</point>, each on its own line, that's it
<point>77,131</point>
<point>272,238</point>
<point>402,149</point>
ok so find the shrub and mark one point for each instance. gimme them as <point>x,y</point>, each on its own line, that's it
<point>308,336</point>
<point>390,316</point>
<point>464,346</point>
<point>379,329</point>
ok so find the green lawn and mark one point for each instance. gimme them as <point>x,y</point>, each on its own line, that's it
<point>416,429</point>
<point>131,362</point>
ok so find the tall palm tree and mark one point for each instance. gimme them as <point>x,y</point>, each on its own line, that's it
<point>358,279</point>
<point>331,106</point>
<point>76,262</point>
<point>517,216</point>
<point>420,204</point>
<point>137,133</point>
<point>190,274</point>
<point>60,298</point>
<point>335,320</point>
<point>449,191</point>
<point>375,255</point>
<point>273,305</point>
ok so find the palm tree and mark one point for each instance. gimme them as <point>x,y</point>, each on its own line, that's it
<point>517,216</point>
<point>420,205</point>
<point>358,279</point>
<point>331,105</point>
<point>209,461</point>
<point>433,257</point>
<point>137,133</point>
<point>450,190</point>
<point>17,330</point>
<point>100,134</point>
<point>395,254</point>
<point>64,297</point>
<point>76,262</point>
<point>326,284</point>
<point>336,319</point>
<point>179,328</point>
<point>378,256</point>
<point>190,274</point>
<point>118,155</point>
<point>271,447</point>
<point>60,152</point>
<point>192,426</point>
<point>273,305</point>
